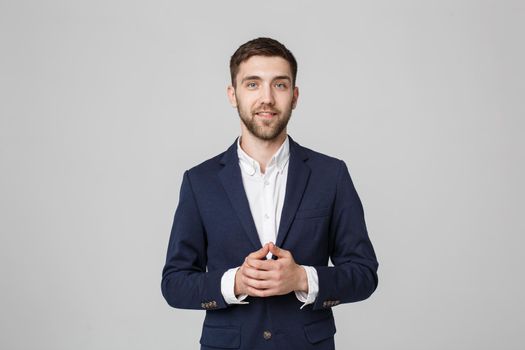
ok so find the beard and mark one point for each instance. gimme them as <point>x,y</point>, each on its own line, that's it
<point>262,128</point>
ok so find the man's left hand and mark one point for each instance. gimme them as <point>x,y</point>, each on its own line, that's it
<point>264,278</point>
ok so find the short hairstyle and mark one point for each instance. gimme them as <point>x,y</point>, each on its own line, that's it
<point>261,47</point>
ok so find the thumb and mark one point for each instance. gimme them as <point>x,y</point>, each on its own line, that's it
<point>275,250</point>
<point>261,253</point>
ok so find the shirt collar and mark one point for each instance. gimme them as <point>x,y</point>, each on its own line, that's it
<point>251,166</point>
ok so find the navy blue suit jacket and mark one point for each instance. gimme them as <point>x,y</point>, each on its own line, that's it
<point>213,231</point>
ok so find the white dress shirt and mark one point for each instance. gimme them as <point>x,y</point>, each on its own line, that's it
<point>266,192</point>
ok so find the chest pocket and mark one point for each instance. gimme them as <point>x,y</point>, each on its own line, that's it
<point>312,213</point>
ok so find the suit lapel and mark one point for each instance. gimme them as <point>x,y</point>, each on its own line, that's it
<point>298,174</point>
<point>231,179</point>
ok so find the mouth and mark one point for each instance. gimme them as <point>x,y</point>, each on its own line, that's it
<point>266,114</point>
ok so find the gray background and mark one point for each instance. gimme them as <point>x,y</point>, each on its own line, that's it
<point>104,104</point>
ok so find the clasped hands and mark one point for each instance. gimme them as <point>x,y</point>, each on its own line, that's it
<point>259,277</point>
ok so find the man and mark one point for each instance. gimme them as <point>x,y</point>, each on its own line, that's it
<point>256,225</point>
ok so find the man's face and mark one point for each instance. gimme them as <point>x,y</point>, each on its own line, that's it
<point>264,95</point>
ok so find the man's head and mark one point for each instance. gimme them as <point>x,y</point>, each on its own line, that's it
<point>261,47</point>
<point>263,73</point>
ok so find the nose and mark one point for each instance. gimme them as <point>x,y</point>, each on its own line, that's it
<point>267,95</point>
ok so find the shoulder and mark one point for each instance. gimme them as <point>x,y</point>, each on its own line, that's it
<point>321,161</point>
<point>316,160</point>
<point>207,167</point>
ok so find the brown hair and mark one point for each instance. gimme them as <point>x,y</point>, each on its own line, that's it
<point>261,47</point>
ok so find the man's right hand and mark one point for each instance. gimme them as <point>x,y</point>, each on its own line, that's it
<point>240,287</point>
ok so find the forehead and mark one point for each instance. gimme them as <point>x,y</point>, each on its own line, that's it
<point>265,67</point>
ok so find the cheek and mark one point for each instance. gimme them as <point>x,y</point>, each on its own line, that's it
<point>246,108</point>
<point>286,101</point>
<point>242,100</point>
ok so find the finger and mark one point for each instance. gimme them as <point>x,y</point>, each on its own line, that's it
<point>256,263</point>
<point>279,252</point>
<point>258,284</point>
<point>265,265</point>
<point>261,293</point>
<point>256,274</point>
<point>261,253</point>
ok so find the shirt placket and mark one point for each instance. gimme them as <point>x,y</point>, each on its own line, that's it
<point>268,206</point>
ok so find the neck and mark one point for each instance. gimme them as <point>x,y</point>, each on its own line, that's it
<point>261,150</point>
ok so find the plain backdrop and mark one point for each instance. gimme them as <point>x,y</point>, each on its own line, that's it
<point>104,104</point>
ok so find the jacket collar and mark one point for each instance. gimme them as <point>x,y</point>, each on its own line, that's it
<point>251,166</point>
<point>230,155</point>
<point>231,178</point>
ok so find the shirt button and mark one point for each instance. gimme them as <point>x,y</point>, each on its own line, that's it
<point>267,335</point>
<point>266,216</point>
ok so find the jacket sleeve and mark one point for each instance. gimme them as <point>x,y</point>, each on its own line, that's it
<point>186,283</point>
<point>354,274</point>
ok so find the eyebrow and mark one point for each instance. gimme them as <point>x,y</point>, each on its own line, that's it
<point>256,77</point>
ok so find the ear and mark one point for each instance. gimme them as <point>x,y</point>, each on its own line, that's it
<point>231,95</point>
<point>295,96</point>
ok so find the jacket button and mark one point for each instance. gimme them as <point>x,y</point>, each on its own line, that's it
<point>267,335</point>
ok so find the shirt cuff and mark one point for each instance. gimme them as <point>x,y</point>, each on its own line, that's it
<point>313,287</point>
<point>227,288</point>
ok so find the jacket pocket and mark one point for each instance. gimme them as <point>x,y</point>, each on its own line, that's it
<point>320,330</point>
<point>312,213</point>
<point>225,337</point>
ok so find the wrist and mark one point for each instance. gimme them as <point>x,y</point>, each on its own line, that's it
<point>236,284</point>
<point>302,284</point>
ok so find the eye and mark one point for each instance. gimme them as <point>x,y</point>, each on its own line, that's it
<point>281,85</point>
<point>251,84</point>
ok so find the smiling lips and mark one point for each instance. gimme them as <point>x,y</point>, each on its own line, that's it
<point>266,114</point>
